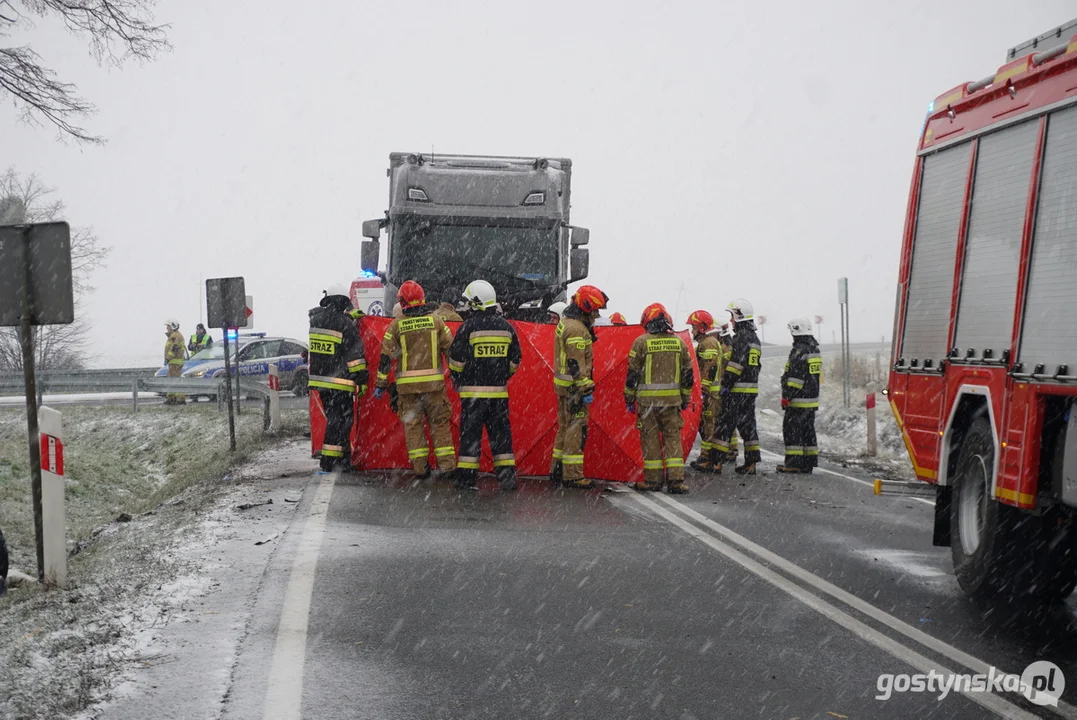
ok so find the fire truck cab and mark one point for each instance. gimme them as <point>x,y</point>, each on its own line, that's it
<point>984,369</point>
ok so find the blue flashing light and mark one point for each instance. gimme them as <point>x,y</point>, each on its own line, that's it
<point>367,274</point>
<point>931,107</point>
<point>232,333</point>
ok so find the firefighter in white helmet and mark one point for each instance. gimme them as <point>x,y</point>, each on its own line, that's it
<point>175,356</point>
<point>739,388</point>
<point>555,311</point>
<point>483,357</point>
<point>800,399</point>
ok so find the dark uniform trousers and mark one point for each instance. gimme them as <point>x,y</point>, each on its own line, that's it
<point>492,414</point>
<point>338,406</point>
<point>738,413</point>
<point>798,430</point>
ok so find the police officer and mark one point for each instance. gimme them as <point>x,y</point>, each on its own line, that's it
<point>800,399</point>
<point>338,371</point>
<point>739,389</point>
<point>420,340</point>
<point>659,387</point>
<point>483,356</point>
<point>200,340</point>
<point>174,358</point>
<point>709,358</point>
<point>573,366</point>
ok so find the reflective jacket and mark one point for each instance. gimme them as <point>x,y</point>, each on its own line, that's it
<point>742,370</point>
<point>484,355</point>
<point>709,357</point>
<point>448,313</point>
<point>573,362</point>
<point>419,340</point>
<point>659,371</point>
<point>174,353</point>
<point>800,381</point>
<point>199,342</point>
<point>336,360</point>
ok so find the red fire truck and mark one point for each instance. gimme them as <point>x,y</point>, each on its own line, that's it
<point>984,368</point>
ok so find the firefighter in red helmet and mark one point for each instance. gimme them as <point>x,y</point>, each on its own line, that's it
<point>658,388</point>
<point>709,357</point>
<point>618,319</point>
<point>420,341</point>
<point>573,367</point>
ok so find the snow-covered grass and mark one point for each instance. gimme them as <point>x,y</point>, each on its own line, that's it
<point>842,431</point>
<point>136,484</point>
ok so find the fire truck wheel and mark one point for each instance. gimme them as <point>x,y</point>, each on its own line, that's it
<point>978,540</point>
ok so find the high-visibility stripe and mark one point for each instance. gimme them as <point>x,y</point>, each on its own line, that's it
<point>332,453</point>
<point>745,390</point>
<point>487,395</point>
<point>176,361</point>
<point>444,451</point>
<point>804,403</point>
<point>330,383</point>
<point>418,452</point>
<point>434,349</point>
<point>795,383</point>
<point>404,352</point>
<point>652,464</point>
<point>383,376</point>
<point>325,338</point>
<point>329,334</point>
<point>489,340</point>
<point>748,447</point>
<point>674,462</point>
<point>510,462</point>
<point>705,446</point>
<point>557,453</point>
<point>492,334</point>
<point>456,366</point>
<point>794,451</point>
<point>327,446</point>
<point>357,365</point>
<point>811,451</point>
<point>708,354</point>
<point>424,377</point>
<point>468,463</point>
<point>647,370</point>
<point>572,459</point>
<point>563,381</point>
<point>659,393</point>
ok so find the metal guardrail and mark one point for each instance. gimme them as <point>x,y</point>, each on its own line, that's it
<point>75,381</point>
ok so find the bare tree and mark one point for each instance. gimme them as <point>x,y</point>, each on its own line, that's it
<point>56,347</point>
<point>116,30</point>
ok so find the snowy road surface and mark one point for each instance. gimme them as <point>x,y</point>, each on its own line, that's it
<point>760,597</point>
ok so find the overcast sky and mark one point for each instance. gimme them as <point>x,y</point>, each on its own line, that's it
<point>720,150</point>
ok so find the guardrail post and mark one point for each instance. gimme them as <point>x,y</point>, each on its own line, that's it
<point>273,401</point>
<point>869,403</point>
<point>52,497</point>
<point>134,396</point>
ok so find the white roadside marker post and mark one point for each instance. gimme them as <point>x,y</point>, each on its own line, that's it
<point>869,403</point>
<point>274,399</point>
<point>52,496</point>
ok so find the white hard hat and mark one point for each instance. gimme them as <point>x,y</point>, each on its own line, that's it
<point>337,289</point>
<point>800,326</point>
<point>726,330</point>
<point>172,324</point>
<point>558,308</point>
<point>741,310</point>
<point>398,312</point>
<point>480,295</point>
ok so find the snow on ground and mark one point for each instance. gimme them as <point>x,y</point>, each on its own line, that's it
<point>142,494</point>
<point>16,401</point>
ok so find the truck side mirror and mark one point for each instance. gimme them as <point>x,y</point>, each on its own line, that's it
<point>580,236</point>
<point>368,255</point>
<point>372,229</point>
<point>578,264</point>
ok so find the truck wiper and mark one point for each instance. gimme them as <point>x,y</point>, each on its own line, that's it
<point>482,269</point>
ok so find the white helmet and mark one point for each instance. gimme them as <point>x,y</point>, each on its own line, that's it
<point>172,324</point>
<point>726,330</point>
<point>337,289</point>
<point>558,308</point>
<point>800,326</point>
<point>741,310</point>
<point>398,312</point>
<point>480,295</point>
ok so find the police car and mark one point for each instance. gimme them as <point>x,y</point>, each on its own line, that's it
<point>256,352</point>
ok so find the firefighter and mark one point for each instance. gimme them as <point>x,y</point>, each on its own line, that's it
<point>447,309</point>
<point>618,319</point>
<point>573,365</point>
<point>484,355</point>
<point>338,371</point>
<point>800,399</point>
<point>200,340</point>
<point>658,388</point>
<point>709,358</point>
<point>555,311</point>
<point>420,340</point>
<point>739,388</point>
<point>725,336</point>
<point>174,358</point>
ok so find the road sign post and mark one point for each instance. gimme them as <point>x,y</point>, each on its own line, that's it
<point>762,328</point>
<point>846,359</point>
<point>35,289</point>
<point>274,399</point>
<point>226,307</point>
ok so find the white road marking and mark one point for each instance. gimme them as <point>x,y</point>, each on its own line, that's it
<point>849,477</point>
<point>284,695</point>
<point>976,665</point>
<point>994,703</point>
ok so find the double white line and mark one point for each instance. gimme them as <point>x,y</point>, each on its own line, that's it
<point>672,511</point>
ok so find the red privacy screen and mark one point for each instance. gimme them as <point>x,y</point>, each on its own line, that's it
<point>613,447</point>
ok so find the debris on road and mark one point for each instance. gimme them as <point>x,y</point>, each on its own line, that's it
<point>268,539</point>
<point>248,506</point>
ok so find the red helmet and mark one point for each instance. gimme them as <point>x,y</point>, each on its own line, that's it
<point>411,295</point>
<point>701,321</point>
<point>653,312</point>
<point>589,299</point>
<point>618,319</point>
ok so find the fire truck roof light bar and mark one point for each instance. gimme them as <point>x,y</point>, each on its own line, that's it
<point>1036,60</point>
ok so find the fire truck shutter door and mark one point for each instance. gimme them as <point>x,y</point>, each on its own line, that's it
<point>993,247</point>
<point>931,280</point>
<point>1049,333</point>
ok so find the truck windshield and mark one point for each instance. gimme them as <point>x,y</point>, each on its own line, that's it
<point>457,253</point>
